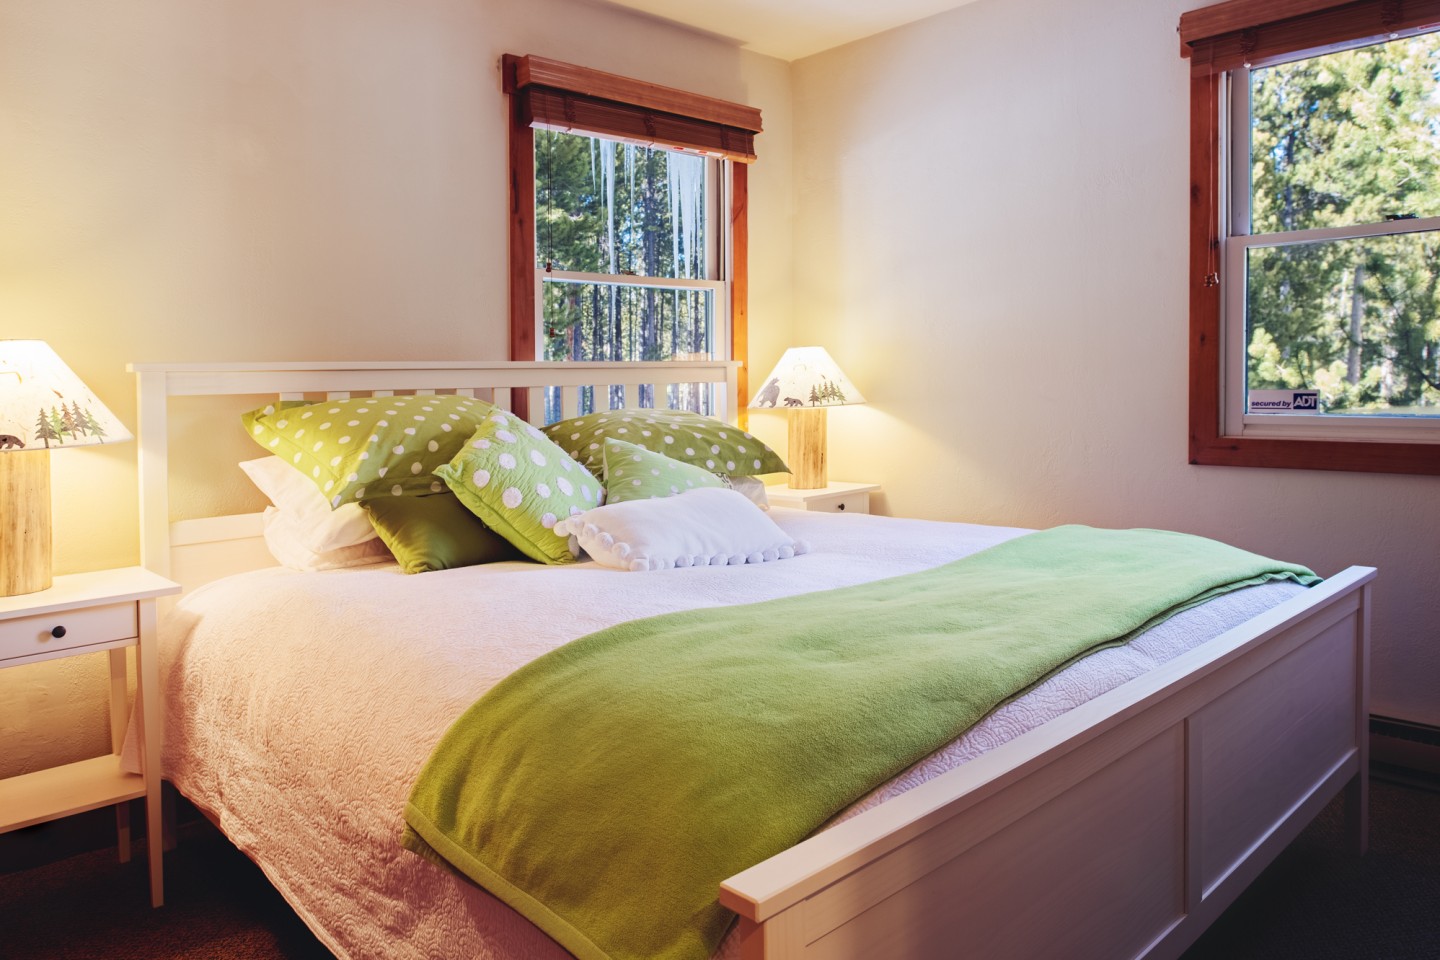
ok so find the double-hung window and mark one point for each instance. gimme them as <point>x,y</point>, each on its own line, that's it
<point>628,224</point>
<point>628,254</point>
<point>1315,234</point>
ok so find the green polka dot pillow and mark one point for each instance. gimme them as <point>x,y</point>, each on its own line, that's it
<point>368,447</point>
<point>708,443</point>
<point>634,473</point>
<point>513,477</point>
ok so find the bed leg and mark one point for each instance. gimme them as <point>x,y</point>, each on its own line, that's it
<point>168,834</point>
<point>752,940</point>
<point>779,938</point>
<point>1357,812</point>
<point>1357,791</point>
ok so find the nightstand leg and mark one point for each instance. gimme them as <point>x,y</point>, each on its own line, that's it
<point>122,829</point>
<point>119,716</point>
<point>148,677</point>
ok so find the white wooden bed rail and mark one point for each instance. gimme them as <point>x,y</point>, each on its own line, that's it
<point>194,551</point>
<point>1121,829</point>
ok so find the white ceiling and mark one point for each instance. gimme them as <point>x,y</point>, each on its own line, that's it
<point>791,29</point>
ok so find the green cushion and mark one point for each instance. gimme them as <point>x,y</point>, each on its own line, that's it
<point>634,473</point>
<point>435,533</point>
<point>510,475</point>
<point>679,434</point>
<point>371,446</point>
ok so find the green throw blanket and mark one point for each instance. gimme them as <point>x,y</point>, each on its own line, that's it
<point>606,789</point>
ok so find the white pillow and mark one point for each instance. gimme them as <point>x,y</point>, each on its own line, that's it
<point>318,528</point>
<point>284,538</point>
<point>752,488</point>
<point>713,526</point>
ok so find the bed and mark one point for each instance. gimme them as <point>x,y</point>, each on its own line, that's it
<point>1110,813</point>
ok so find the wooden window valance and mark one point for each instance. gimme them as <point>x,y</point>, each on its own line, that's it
<point>561,96</point>
<point>1237,32</point>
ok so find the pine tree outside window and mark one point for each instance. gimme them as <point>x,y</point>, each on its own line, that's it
<point>1315,235</point>
<point>627,257</point>
<point>628,224</point>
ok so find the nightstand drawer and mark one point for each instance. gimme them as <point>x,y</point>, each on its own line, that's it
<point>842,503</point>
<point>87,626</point>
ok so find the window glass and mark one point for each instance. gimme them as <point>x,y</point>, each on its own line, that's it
<point>1355,320</point>
<point>1347,138</point>
<point>611,321</point>
<point>1342,261</point>
<point>607,207</point>
<point>626,256</point>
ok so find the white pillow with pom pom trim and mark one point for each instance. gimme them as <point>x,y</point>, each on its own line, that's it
<point>710,527</point>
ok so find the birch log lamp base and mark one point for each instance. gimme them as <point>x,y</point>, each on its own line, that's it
<point>804,383</point>
<point>24,522</point>
<point>43,407</point>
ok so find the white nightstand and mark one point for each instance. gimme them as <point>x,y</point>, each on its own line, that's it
<point>834,497</point>
<point>83,613</point>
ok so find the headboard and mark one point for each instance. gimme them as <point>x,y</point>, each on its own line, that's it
<point>196,550</point>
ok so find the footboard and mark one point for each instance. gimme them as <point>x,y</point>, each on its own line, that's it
<point>1121,829</point>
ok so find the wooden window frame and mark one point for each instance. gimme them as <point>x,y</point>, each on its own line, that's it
<point>560,96</point>
<point>1217,39</point>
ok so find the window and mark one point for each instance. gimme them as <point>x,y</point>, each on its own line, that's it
<point>1315,235</point>
<point>628,221</point>
<point>628,255</point>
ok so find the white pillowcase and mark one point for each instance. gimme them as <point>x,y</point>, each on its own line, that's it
<point>285,539</point>
<point>752,488</point>
<point>311,521</point>
<point>698,528</point>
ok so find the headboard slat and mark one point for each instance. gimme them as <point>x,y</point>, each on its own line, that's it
<point>199,549</point>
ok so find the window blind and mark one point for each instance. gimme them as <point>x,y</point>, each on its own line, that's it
<point>560,96</point>
<point>1237,32</point>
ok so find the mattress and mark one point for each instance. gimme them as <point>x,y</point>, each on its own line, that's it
<point>300,706</point>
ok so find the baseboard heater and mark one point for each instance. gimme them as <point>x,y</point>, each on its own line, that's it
<point>1404,748</point>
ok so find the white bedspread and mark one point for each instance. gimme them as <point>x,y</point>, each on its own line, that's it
<point>300,706</point>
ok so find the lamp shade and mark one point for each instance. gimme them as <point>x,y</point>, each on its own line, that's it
<point>44,405</point>
<point>806,377</point>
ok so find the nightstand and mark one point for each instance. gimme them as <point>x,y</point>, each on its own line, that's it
<point>834,497</point>
<point>84,613</point>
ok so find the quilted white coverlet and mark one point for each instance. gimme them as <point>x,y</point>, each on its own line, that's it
<point>300,706</point>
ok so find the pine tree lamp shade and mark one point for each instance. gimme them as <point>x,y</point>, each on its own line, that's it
<point>43,407</point>
<point>804,383</point>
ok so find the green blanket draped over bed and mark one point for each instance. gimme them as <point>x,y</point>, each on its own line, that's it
<point>606,789</point>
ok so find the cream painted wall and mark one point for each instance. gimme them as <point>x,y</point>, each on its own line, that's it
<point>266,179</point>
<point>992,209</point>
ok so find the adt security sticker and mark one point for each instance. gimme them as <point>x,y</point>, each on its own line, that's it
<point>1284,401</point>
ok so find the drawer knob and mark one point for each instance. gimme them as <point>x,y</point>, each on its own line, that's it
<point>840,506</point>
<point>57,632</point>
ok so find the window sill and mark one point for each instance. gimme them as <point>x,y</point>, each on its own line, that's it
<point>1353,456</point>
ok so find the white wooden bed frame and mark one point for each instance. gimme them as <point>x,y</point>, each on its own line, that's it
<point>1121,829</point>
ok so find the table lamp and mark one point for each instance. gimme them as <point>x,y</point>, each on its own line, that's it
<point>43,407</point>
<point>804,383</point>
